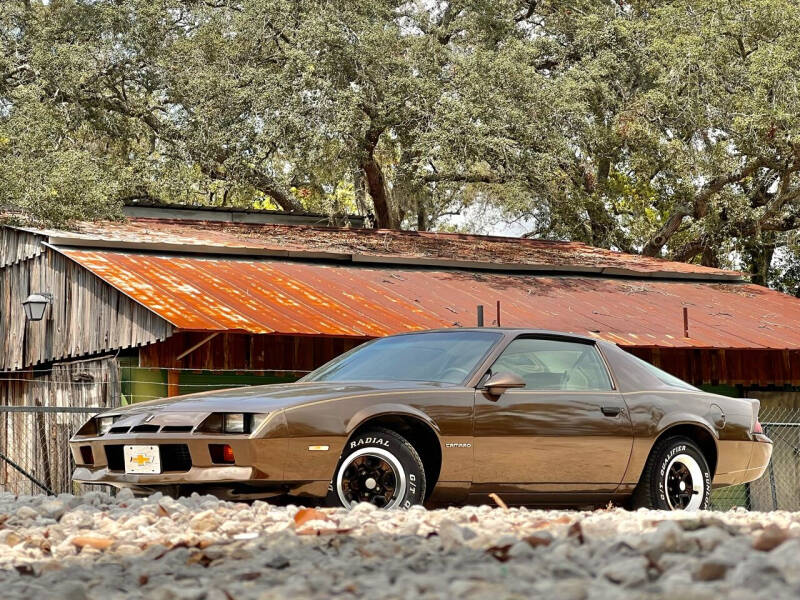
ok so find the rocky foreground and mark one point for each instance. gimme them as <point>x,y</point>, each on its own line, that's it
<point>96,546</point>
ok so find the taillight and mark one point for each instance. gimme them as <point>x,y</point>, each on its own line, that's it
<point>757,427</point>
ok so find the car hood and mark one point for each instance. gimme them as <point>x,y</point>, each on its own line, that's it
<point>268,398</point>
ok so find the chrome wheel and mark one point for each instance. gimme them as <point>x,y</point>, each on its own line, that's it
<point>371,475</point>
<point>683,483</point>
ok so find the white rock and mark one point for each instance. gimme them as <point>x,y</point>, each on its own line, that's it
<point>53,508</point>
<point>125,494</point>
<point>26,513</point>
<point>205,521</point>
<point>628,572</point>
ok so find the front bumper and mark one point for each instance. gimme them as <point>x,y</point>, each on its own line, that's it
<point>200,475</point>
<point>256,459</point>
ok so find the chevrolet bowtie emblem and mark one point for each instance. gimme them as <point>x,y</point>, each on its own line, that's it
<point>140,459</point>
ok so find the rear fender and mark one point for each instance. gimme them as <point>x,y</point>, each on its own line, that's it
<point>684,418</point>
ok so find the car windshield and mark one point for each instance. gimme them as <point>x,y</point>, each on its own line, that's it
<point>442,357</point>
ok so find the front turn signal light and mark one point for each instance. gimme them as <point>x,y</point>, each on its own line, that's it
<point>221,454</point>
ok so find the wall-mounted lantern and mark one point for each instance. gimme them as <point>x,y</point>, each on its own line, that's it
<point>36,304</point>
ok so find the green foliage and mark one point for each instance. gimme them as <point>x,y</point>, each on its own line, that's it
<point>669,128</point>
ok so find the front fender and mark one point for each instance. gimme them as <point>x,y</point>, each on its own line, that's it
<point>316,444</point>
<point>378,410</point>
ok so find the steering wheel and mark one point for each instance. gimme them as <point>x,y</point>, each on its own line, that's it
<point>457,370</point>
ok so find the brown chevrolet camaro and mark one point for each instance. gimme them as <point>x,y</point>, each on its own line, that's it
<point>441,417</point>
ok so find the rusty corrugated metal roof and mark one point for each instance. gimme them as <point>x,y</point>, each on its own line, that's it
<point>292,297</point>
<point>370,245</point>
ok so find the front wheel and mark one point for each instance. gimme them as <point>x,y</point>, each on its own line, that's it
<point>675,477</point>
<point>380,467</point>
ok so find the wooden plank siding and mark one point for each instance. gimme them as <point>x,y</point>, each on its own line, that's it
<point>726,367</point>
<point>37,441</point>
<point>232,351</point>
<point>270,352</point>
<point>86,317</point>
<point>17,245</point>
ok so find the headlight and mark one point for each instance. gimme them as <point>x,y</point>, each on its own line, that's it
<point>233,423</point>
<point>104,424</point>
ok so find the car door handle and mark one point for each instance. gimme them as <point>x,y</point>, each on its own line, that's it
<point>611,411</point>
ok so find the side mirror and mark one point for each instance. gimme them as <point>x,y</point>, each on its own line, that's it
<point>500,382</point>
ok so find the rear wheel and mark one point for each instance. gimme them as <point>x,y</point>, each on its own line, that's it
<point>675,477</point>
<point>380,467</point>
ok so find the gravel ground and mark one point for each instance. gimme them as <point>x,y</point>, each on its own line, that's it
<point>96,546</point>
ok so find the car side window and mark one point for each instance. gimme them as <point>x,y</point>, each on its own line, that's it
<point>546,364</point>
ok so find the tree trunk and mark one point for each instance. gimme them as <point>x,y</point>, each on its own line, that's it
<point>599,222</point>
<point>358,190</point>
<point>709,258</point>
<point>422,217</point>
<point>758,255</point>
<point>376,183</point>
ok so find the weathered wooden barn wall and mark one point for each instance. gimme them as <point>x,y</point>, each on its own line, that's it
<point>37,441</point>
<point>86,317</point>
<point>231,351</point>
<point>16,245</point>
<point>726,367</point>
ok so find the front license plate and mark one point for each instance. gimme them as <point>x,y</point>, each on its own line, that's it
<point>142,459</point>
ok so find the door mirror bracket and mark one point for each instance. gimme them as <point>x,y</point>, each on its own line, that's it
<point>498,383</point>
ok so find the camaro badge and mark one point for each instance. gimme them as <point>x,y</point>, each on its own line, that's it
<point>458,445</point>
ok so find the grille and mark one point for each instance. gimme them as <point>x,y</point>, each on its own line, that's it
<point>120,429</point>
<point>115,458</point>
<point>176,428</point>
<point>175,457</point>
<point>145,428</point>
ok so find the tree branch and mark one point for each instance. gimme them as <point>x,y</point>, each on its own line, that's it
<point>528,13</point>
<point>459,178</point>
<point>698,209</point>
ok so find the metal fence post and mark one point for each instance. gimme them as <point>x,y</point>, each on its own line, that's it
<point>773,488</point>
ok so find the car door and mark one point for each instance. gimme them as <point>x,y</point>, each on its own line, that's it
<point>567,430</point>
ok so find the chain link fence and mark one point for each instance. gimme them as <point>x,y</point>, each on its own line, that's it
<point>34,450</point>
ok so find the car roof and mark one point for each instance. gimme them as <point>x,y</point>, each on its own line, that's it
<point>510,331</point>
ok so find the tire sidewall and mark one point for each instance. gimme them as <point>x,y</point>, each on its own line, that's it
<point>398,448</point>
<point>669,452</point>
